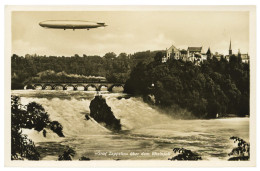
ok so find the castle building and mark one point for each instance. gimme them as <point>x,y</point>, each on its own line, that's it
<point>193,51</point>
<point>193,54</point>
<point>184,55</point>
<point>173,52</point>
<point>244,57</point>
<point>196,55</point>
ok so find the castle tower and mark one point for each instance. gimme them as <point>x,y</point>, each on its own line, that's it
<point>230,49</point>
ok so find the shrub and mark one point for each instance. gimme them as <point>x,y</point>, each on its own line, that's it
<point>185,154</point>
<point>84,158</point>
<point>68,154</point>
<point>31,116</point>
<point>241,152</point>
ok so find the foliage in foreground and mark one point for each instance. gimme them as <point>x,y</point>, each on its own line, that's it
<point>83,158</point>
<point>185,154</point>
<point>31,116</point>
<point>68,154</point>
<point>241,152</point>
<point>22,147</point>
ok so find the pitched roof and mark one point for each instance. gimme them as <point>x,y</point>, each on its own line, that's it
<point>194,49</point>
<point>172,48</point>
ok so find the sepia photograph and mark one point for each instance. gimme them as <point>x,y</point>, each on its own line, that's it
<point>110,84</point>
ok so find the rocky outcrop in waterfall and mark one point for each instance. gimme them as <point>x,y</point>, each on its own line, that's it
<point>150,99</point>
<point>102,113</point>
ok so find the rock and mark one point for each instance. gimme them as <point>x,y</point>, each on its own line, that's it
<point>56,127</point>
<point>102,113</point>
<point>124,97</point>
<point>150,99</point>
<point>87,116</point>
<point>44,132</point>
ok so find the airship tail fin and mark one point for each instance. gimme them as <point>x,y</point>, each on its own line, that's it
<point>102,24</point>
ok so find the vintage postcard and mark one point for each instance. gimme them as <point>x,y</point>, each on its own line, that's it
<point>129,86</point>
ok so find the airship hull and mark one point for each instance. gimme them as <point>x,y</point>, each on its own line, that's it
<point>70,24</point>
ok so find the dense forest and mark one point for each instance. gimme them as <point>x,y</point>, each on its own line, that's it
<point>114,68</point>
<point>215,87</point>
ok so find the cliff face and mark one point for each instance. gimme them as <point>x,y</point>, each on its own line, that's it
<point>101,112</point>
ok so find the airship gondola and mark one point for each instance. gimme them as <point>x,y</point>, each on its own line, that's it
<point>71,24</point>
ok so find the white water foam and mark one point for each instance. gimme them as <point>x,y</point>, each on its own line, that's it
<point>149,130</point>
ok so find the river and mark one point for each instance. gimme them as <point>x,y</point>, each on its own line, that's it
<point>147,134</point>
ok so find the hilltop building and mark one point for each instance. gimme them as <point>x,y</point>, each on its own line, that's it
<point>244,57</point>
<point>173,52</point>
<point>184,54</point>
<point>194,51</point>
<point>218,56</point>
<point>196,54</point>
<point>193,54</point>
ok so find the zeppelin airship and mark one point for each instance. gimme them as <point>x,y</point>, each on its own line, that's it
<point>71,24</point>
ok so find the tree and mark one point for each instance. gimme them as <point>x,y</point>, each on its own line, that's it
<point>68,154</point>
<point>122,56</point>
<point>241,152</point>
<point>31,116</point>
<point>185,154</point>
<point>110,55</point>
<point>213,88</point>
<point>158,57</point>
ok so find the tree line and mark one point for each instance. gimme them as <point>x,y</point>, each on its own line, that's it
<point>116,68</point>
<point>215,87</point>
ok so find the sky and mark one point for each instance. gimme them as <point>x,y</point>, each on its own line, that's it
<point>130,32</point>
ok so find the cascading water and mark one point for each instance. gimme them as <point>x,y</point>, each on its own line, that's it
<point>144,129</point>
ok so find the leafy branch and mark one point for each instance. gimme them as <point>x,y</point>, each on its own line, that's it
<point>185,154</point>
<point>241,152</point>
